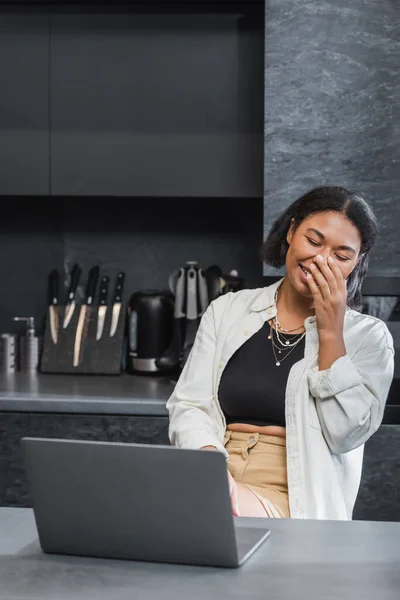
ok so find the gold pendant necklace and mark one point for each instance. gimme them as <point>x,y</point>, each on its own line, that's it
<point>289,347</point>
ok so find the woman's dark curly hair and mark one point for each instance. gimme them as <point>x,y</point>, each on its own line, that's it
<point>322,199</point>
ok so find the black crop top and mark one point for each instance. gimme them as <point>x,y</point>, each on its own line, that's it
<point>252,388</point>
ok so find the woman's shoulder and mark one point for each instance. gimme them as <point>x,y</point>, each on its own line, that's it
<point>242,300</point>
<point>369,328</point>
<point>233,307</point>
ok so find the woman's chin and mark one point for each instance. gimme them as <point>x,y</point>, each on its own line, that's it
<point>305,291</point>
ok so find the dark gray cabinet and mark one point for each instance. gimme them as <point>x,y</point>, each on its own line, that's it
<point>14,426</point>
<point>24,103</point>
<point>156,105</point>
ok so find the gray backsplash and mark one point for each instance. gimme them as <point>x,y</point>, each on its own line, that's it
<point>332,109</point>
<point>145,237</point>
<point>31,245</point>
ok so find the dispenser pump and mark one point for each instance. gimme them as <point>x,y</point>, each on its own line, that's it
<point>30,325</point>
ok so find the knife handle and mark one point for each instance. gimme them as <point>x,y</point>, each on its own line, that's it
<point>103,290</point>
<point>54,285</point>
<point>73,284</point>
<point>119,287</point>
<point>93,278</point>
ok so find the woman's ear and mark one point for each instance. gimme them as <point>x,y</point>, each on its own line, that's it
<point>290,233</point>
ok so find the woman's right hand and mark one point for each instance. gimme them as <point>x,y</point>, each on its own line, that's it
<point>232,488</point>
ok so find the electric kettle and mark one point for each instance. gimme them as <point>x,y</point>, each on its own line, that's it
<point>150,329</point>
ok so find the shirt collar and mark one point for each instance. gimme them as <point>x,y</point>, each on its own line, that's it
<point>266,301</point>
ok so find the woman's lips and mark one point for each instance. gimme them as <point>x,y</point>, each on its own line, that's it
<point>303,275</point>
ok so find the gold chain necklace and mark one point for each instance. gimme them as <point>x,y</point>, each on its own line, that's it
<point>277,324</point>
<point>287,347</point>
<point>285,344</point>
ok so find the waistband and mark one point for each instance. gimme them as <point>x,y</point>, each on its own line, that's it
<point>240,436</point>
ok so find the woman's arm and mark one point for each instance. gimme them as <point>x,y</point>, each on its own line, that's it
<point>330,349</point>
<point>191,410</point>
<point>351,394</point>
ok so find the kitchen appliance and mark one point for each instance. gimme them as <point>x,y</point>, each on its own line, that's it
<point>150,329</point>
<point>223,283</point>
<point>193,290</point>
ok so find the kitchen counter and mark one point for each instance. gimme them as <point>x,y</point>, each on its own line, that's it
<point>85,394</point>
<point>136,395</point>
<point>333,560</point>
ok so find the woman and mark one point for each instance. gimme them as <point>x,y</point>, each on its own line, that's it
<point>289,381</point>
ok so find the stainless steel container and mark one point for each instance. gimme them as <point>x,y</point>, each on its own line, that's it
<point>8,353</point>
<point>28,347</point>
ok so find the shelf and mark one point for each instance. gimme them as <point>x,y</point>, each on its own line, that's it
<point>105,395</point>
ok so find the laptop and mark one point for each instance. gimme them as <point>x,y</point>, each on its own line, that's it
<point>135,501</point>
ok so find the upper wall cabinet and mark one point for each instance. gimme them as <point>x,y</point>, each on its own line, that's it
<point>24,104</point>
<point>156,105</point>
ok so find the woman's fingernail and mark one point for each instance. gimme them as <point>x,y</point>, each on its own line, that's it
<point>330,259</point>
<point>312,267</point>
<point>319,257</point>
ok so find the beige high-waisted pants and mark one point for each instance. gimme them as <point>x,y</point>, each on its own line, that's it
<point>259,462</point>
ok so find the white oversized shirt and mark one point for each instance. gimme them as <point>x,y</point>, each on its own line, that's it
<point>329,414</point>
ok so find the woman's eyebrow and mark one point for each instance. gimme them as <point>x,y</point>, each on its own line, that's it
<point>322,237</point>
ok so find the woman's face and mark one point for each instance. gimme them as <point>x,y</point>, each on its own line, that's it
<point>328,234</point>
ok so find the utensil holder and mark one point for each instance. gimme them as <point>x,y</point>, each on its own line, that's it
<point>97,357</point>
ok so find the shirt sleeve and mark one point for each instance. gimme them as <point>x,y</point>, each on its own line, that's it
<point>192,412</point>
<point>350,396</point>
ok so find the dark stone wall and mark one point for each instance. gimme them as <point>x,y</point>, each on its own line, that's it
<point>332,109</point>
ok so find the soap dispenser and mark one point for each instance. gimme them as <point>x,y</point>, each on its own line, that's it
<point>28,346</point>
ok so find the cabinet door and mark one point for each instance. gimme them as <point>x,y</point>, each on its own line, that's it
<point>153,105</point>
<point>24,104</point>
<point>14,426</point>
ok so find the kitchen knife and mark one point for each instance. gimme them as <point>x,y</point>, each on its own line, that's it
<point>90,291</point>
<point>54,284</point>
<point>117,302</point>
<point>73,285</point>
<point>101,311</point>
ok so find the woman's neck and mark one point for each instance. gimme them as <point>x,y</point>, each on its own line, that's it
<point>290,302</point>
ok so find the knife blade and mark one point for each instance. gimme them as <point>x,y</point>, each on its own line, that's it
<point>102,310</point>
<point>73,286</point>
<point>117,302</point>
<point>90,292</point>
<point>54,285</point>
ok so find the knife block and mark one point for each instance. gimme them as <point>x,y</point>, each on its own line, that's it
<point>103,357</point>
